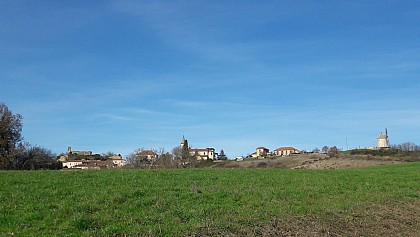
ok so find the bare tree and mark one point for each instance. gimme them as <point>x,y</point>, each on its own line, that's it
<point>176,152</point>
<point>27,157</point>
<point>333,152</point>
<point>109,154</point>
<point>40,158</point>
<point>138,159</point>
<point>183,158</point>
<point>407,146</point>
<point>18,157</point>
<point>325,149</point>
<point>165,159</point>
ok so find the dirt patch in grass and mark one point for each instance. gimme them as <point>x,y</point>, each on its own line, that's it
<point>400,219</point>
<point>305,161</point>
<point>345,162</point>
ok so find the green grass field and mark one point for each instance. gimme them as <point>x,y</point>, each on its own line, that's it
<point>186,202</point>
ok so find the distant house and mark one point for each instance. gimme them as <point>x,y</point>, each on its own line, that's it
<point>260,152</point>
<point>203,153</point>
<point>70,164</point>
<point>199,153</point>
<point>285,151</point>
<point>117,160</point>
<point>239,158</point>
<point>148,155</point>
<point>85,160</point>
<point>93,164</point>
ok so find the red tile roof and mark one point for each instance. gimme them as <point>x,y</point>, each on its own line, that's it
<point>147,153</point>
<point>288,148</point>
<point>261,147</point>
<point>202,149</point>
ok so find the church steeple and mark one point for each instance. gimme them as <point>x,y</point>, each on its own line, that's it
<point>184,148</point>
<point>184,143</point>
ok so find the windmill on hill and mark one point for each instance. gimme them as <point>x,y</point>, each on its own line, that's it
<point>383,140</point>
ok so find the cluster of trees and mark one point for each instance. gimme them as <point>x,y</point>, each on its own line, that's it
<point>407,146</point>
<point>17,154</point>
<point>330,151</point>
<point>404,150</point>
<point>177,158</point>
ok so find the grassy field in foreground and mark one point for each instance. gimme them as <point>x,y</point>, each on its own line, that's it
<point>186,202</point>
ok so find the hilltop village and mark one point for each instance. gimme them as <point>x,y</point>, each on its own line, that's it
<point>87,160</point>
<point>185,155</point>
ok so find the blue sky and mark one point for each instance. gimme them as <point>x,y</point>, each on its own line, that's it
<point>234,75</point>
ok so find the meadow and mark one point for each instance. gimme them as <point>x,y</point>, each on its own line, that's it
<point>182,202</point>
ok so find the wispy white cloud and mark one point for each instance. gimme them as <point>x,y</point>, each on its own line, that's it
<point>204,30</point>
<point>114,117</point>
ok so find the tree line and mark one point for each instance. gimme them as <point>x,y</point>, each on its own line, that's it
<point>15,153</point>
<point>407,146</point>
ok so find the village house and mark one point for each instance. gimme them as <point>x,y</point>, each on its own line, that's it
<point>93,164</point>
<point>149,155</point>
<point>285,151</point>
<point>70,163</point>
<point>260,152</point>
<point>203,153</point>
<point>87,164</point>
<point>117,160</point>
<point>85,161</point>
<point>200,153</point>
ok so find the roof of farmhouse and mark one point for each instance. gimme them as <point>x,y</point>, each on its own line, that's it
<point>201,149</point>
<point>147,153</point>
<point>285,148</point>
<point>261,147</point>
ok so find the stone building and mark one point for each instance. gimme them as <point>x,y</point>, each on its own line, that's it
<point>86,160</point>
<point>79,153</point>
<point>383,140</point>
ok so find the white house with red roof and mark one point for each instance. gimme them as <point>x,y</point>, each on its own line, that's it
<point>203,153</point>
<point>285,151</point>
<point>200,153</point>
<point>148,154</point>
<point>260,152</point>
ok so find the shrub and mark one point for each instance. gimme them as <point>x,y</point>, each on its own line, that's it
<point>333,152</point>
